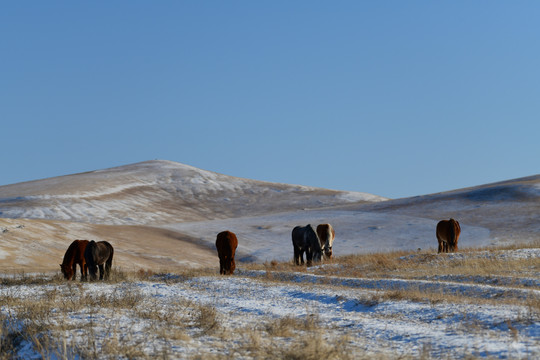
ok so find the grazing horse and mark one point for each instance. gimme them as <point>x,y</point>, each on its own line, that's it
<point>326,235</point>
<point>226,243</point>
<point>447,235</point>
<point>74,255</point>
<point>305,239</point>
<point>99,254</point>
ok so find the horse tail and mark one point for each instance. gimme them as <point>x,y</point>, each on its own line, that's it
<point>109,260</point>
<point>108,263</point>
<point>452,232</point>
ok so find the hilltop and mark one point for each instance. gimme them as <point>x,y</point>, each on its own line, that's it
<point>160,192</point>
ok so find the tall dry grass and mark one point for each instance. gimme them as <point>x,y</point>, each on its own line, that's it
<point>485,266</point>
<point>46,322</point>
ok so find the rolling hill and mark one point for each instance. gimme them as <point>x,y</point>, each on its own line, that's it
<point>164,215</point>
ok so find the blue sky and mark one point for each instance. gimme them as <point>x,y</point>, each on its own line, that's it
<point>394,98</point>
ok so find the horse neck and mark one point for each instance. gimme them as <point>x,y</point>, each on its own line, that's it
<point>69,257</point>
<point>317,242</point>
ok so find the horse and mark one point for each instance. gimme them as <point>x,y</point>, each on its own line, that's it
<point>447,235</point>
<point>305,239</point>
<point>326,235</point>
<point>99,254</point>
<point>74,255</point>
<point>226,244</point>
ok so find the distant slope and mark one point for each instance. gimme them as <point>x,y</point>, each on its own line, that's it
<point>503,213</point>
<point>159,192</point>
<point>39,245</point>
<point>509,209</point>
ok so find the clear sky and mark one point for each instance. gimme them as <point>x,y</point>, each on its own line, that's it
<point>395,98</point>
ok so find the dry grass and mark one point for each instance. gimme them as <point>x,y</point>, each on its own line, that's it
<point>43,321</point>
<point>485,266</point>
<point>46,323</point>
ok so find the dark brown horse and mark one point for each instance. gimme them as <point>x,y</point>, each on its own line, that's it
<point>447,235</point>
<point>74,255</point>
<point>305,239</point>
<point>226,243</point>
<point>99,254</point>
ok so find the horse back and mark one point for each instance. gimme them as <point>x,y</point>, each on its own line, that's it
<point>108,252</point>
<point>305,236</point>
<point>97,253</point>
<point>226,243</point>
<point>448,230</point>
<point>298,238</point>
<point>75,252</point>
<point>326,233</point>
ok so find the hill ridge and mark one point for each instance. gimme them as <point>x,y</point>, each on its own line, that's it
<point>160,191</point>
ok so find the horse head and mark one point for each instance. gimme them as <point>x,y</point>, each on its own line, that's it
<point>328,251</point>
<point>67,271</point>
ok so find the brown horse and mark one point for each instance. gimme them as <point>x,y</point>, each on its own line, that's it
<point>447,235</point>
<point>99,254</point>
<point>226,243</point>
<point>74,255</point>
<point>326,235</point>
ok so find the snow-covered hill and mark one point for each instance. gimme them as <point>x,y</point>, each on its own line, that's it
<point>159,192</point>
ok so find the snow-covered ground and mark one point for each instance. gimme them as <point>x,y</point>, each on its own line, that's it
<point>247,311</point>
<point>266,238</point>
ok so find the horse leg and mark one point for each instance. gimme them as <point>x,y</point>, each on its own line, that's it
<point>74,268</point>
<point>101,272</point>
<point>93,272</point>
<point>221,266</point>
<point>108,265</point>
<point>84,270</point>
<point>81,265</point>
<point>309,257</point>
<point>107,270</point>
<point>297,256</point>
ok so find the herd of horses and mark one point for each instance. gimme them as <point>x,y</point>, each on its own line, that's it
<point>316,244</point>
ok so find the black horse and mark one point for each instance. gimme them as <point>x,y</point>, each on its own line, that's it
<point>99,254</point>
<point>305,239</point>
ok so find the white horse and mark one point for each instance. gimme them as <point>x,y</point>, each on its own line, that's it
<point>326,235</point>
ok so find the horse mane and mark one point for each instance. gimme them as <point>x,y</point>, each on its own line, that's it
<point>68,257</point>
<point>454,226</point>
<point>452,229</point>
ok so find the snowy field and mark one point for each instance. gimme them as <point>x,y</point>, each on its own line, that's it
<point>267,238</point>
<point>165,216</point>
<point>276,314</point>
